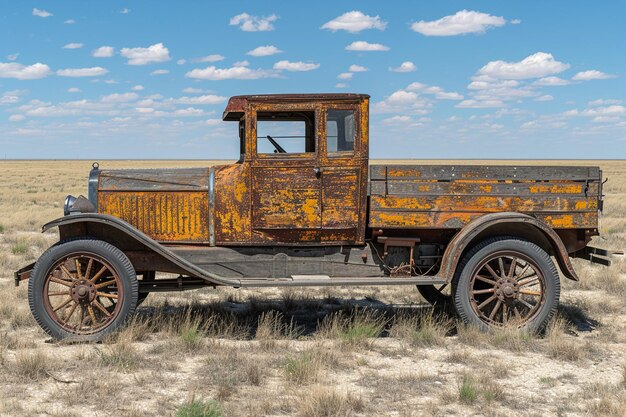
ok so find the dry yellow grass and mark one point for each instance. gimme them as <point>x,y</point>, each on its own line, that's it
<point>304,352</point>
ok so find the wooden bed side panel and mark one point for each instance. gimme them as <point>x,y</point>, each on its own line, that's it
<point>451,196</point>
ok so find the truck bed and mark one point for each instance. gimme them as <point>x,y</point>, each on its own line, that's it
<point>450,196</point>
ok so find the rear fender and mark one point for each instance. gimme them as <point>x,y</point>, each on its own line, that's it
<point>505,224</point>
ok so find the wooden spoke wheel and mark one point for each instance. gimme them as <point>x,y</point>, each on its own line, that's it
<point>82,293</point>
<point>507,282</point>
<point>83,289</point>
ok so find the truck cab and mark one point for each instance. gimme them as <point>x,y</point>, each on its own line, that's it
<point>302,175</point>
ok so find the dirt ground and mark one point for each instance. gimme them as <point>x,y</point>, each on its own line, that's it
<point>311,352</point>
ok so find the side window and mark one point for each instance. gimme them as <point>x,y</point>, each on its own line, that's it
<point>285,132</point>
<point>340,130</point>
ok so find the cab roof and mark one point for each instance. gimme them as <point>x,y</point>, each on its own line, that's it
<point>237,105</point>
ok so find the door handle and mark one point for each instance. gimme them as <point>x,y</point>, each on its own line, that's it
<point>318,172</point>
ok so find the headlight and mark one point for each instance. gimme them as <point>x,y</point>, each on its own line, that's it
<point>77,205</point>
<point>69,202</point>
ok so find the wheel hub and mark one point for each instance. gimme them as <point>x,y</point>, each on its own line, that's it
<point>83,292</point>
<point>506,289</point>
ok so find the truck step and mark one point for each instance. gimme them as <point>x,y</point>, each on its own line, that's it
<point>324,280</point>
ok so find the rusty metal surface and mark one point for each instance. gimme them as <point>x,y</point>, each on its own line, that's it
<point>312,198</point>
<point>414,196</point>
<point>169,205</point>
<point>237,105</point>
<point>506,223</point>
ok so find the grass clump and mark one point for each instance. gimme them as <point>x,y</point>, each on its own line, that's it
<point>303,368</point>
<point>1,228</point>
<point>425,330</point>
<point>121,355</point>
<point>19,248</point>
<point>199,408</point>
<point>328,402</point>
<point>32,365</point>
<point>560,346</point>
<point>354,330</point>
<point>468,390</point>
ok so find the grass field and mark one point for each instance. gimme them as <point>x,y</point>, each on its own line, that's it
<point>311,352</point>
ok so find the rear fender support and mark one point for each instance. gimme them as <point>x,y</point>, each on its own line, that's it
<point>506,224</point>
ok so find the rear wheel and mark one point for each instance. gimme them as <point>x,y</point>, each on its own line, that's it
<point>507,282</point>
<point>82,289</point>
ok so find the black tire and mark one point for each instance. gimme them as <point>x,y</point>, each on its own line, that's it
<point>141,297</point>
<point>438,296</point>
<point>484,274</point>
<point>121,286</point>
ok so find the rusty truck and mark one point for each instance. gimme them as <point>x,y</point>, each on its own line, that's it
<point>303,207</point>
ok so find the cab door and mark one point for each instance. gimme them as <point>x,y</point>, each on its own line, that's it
<point>286,181</point>
<point>344,162</point>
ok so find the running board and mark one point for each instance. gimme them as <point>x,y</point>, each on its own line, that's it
<point>326,281</point>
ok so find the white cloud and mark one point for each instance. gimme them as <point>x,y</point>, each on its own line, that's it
<point>125,11</point>
<point>82,72</point>
<point>73,90</point>
<point>41,13</point>
<point>16,117</point>
<point>397,120</point>
<point>406,66</point>
<point>357,68</point>
<point>160,72</point>
<point>437,92</point>
<point>545,97</point>
<point>243,63</point>
<point>137,88</point>
<point>12,97</point>
<point>23,72</point>
<point>103,52</point>
<point>537,65</point>
<point>516,21</point>
<point>591,75</point>
<point>181,61</point>
<point>354,22</point>
<point>69,22</point>
<point>341,85</point>
<point>73,45</point>
<point>345,76</point>
<point>603,102</point>
<point>236,73</point>
<point>295,66</point>
<point>12,57</point>
<point>366,46</point>
<point>210,58</point>
<point>190,90</point>
<point>249,23</point>
<point>461,23</point>
<point>551,82</point>
<point>613,110</point>
<point>402,101</point>
<point>205,100</point>
<point>143,56</point>
<point>480,104</point>
<point>120,98</point>
<point>266,50</point>
<point>189,111</point>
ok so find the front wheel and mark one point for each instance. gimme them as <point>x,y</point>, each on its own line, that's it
<point>82,289</point>
<point>507,282</point>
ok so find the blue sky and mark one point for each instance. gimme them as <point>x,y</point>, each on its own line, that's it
<point>448,79</point>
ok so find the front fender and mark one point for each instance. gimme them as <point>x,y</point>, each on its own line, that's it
<point>505,224</point>
<point>78,225</point>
